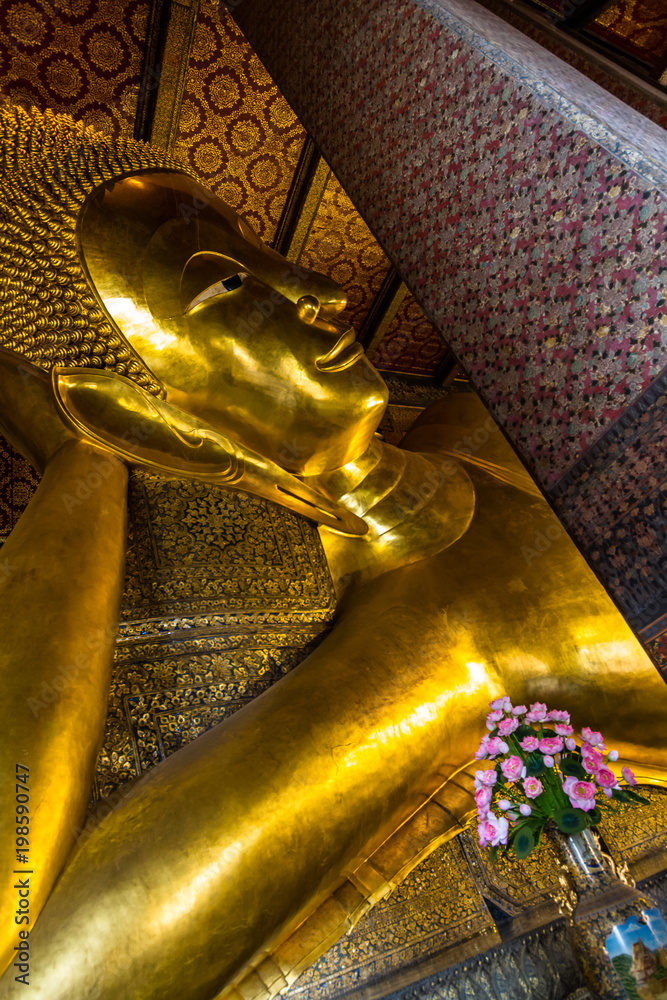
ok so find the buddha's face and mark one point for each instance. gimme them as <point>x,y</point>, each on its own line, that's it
<point>238,336</point>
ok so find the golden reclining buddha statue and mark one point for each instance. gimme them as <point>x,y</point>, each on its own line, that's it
<point>144,324</point>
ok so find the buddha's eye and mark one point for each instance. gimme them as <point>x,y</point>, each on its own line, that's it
<point>219,288</point>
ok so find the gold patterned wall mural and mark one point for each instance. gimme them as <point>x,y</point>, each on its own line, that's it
<point>639,27</point>
<point>236,130</point>
<point>411,344</point>
<point>82,57</point>
<point>341,245</point>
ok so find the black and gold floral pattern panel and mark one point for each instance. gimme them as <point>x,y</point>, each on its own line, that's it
<point>82,57</point>
<point>438,918</point>
<point>200,554</point>
<point>224,594</point>
<point>438,908</point>
<point>18,482</point>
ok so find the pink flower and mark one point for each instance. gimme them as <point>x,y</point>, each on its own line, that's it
<point>483,799</point>
<point>628,776</point>
<point>519,710</point>
<point>496,746</point>
<point>508,726</point>
<point>486,777</point>
<point>570,744</point>
<point>532,787</point>
<point>557,716</point>
<point>501,704</point>
<point>529,743</point>
<point>595,739</point>
<point>591,759</point>
<point>492,831</point>
<point>504,804</point>
<point>481,751</point>
<point>563,730</point>
<point>551,745</point>
<point>548,761</point>
<point>492,719</point>
<point>605,778</point>
<point>580,793</point>
<point>538,712</point>
<point>512,767</point>
<point>613,755</point>
<point>525,809</point>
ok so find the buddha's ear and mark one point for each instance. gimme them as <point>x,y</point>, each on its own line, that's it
<point>115,413</point>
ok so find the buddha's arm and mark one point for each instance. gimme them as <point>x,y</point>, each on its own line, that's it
<point>517,582</point>
<point>225,846</point>
<point>60,579</point>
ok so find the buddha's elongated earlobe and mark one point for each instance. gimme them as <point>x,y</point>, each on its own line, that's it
<point>115,413</point>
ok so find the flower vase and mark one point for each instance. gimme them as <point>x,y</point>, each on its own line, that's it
<point>596,896</point>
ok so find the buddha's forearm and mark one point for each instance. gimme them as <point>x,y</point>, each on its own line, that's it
<point>229,843</point>
<point>61,574</point>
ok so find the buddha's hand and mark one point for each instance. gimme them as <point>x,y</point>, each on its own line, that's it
<point>29,415</point>
<point>114,413</point>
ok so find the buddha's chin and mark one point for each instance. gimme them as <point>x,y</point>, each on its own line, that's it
<point>336,456</point>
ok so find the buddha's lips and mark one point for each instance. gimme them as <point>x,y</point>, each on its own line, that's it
<point>343,354</point>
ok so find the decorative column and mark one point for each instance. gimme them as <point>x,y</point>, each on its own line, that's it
<point>524,207</point>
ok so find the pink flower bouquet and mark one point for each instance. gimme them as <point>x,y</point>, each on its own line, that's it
<point>542,773</point>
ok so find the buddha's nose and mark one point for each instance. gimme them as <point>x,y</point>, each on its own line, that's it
<point>328,293</point>
<point>308,308</point>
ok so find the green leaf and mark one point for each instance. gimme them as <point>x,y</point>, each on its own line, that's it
<point>570,820</point>
<point>535,765</point>
<point>594,816</point>
<point>524,731</point>
<point>636,797</point>
<point>524,842</point>
<point>493,853</point>
<point>621,795</point>
<point>572,768</point>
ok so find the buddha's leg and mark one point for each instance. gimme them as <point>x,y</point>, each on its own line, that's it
<point>227,845</point>
<point>61,573</point>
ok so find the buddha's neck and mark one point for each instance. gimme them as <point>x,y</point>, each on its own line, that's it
<point>414,508</point>
<point>386,486</point>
